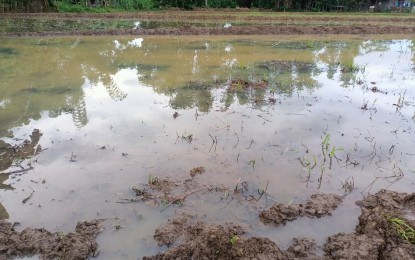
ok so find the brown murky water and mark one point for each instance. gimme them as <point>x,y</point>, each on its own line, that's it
<point>335,115</point>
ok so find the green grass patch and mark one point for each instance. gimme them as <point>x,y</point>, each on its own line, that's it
<point>405,231</point>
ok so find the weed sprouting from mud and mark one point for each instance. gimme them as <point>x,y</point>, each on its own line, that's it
<point>233,239</point>
<point>405,231</point>
<point>152,180</point>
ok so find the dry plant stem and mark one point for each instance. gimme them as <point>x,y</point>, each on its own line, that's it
<point>180,199</point>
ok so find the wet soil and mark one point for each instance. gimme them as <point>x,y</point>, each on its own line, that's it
<point>234,30</point>
<point>377,236</point>
<point>192,239</point>
<point>253,24</point>
<point>318,205</point>
<point>80,244</point>
<point>381,231</point>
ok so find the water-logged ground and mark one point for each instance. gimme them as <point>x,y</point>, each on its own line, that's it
<point>286,116</point>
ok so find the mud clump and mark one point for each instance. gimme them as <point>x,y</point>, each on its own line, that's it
<point>155,190</point>
<point>197,171</point>
<point>318,205</point>
<point>80,244</point>
<point>200,240</point>
<point>383,231</point>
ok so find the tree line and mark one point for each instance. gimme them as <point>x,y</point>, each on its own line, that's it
<point>108,5</point>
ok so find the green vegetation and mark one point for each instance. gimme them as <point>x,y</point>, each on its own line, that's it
<point>405,231</point>
<point>152,180</point>
<point>233,239</point>
<point>131,5</point>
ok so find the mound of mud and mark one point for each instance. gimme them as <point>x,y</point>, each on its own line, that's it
<point>317,206</point>
<point>383,232</point>
<point>80,244</point>
<point>200,240</point>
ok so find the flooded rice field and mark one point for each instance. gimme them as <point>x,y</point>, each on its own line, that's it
<point>139,130</point>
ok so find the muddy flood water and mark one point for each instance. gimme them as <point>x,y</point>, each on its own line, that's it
<point>227,126</point>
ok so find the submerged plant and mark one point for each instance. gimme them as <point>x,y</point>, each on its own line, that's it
<point>325,145</point>
<point>252,162</point>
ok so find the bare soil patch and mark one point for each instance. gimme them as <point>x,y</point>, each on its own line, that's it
<point>234,30</point>
<point>196,23</point>
<point>80,244</point>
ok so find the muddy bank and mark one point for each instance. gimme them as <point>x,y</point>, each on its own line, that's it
<point>80,244</point>
<point>234,30</point>
<point>386,230</point>
<point>200,240</point>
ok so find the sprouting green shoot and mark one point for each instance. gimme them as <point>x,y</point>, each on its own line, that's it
<point>152,179</point>
<point>252,162</point>
<point>405,231</point>
<point>334,150</point>
<point>325,145</point>
<point>233,239</point>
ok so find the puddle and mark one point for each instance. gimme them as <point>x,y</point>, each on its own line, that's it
<point>272,116</point>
